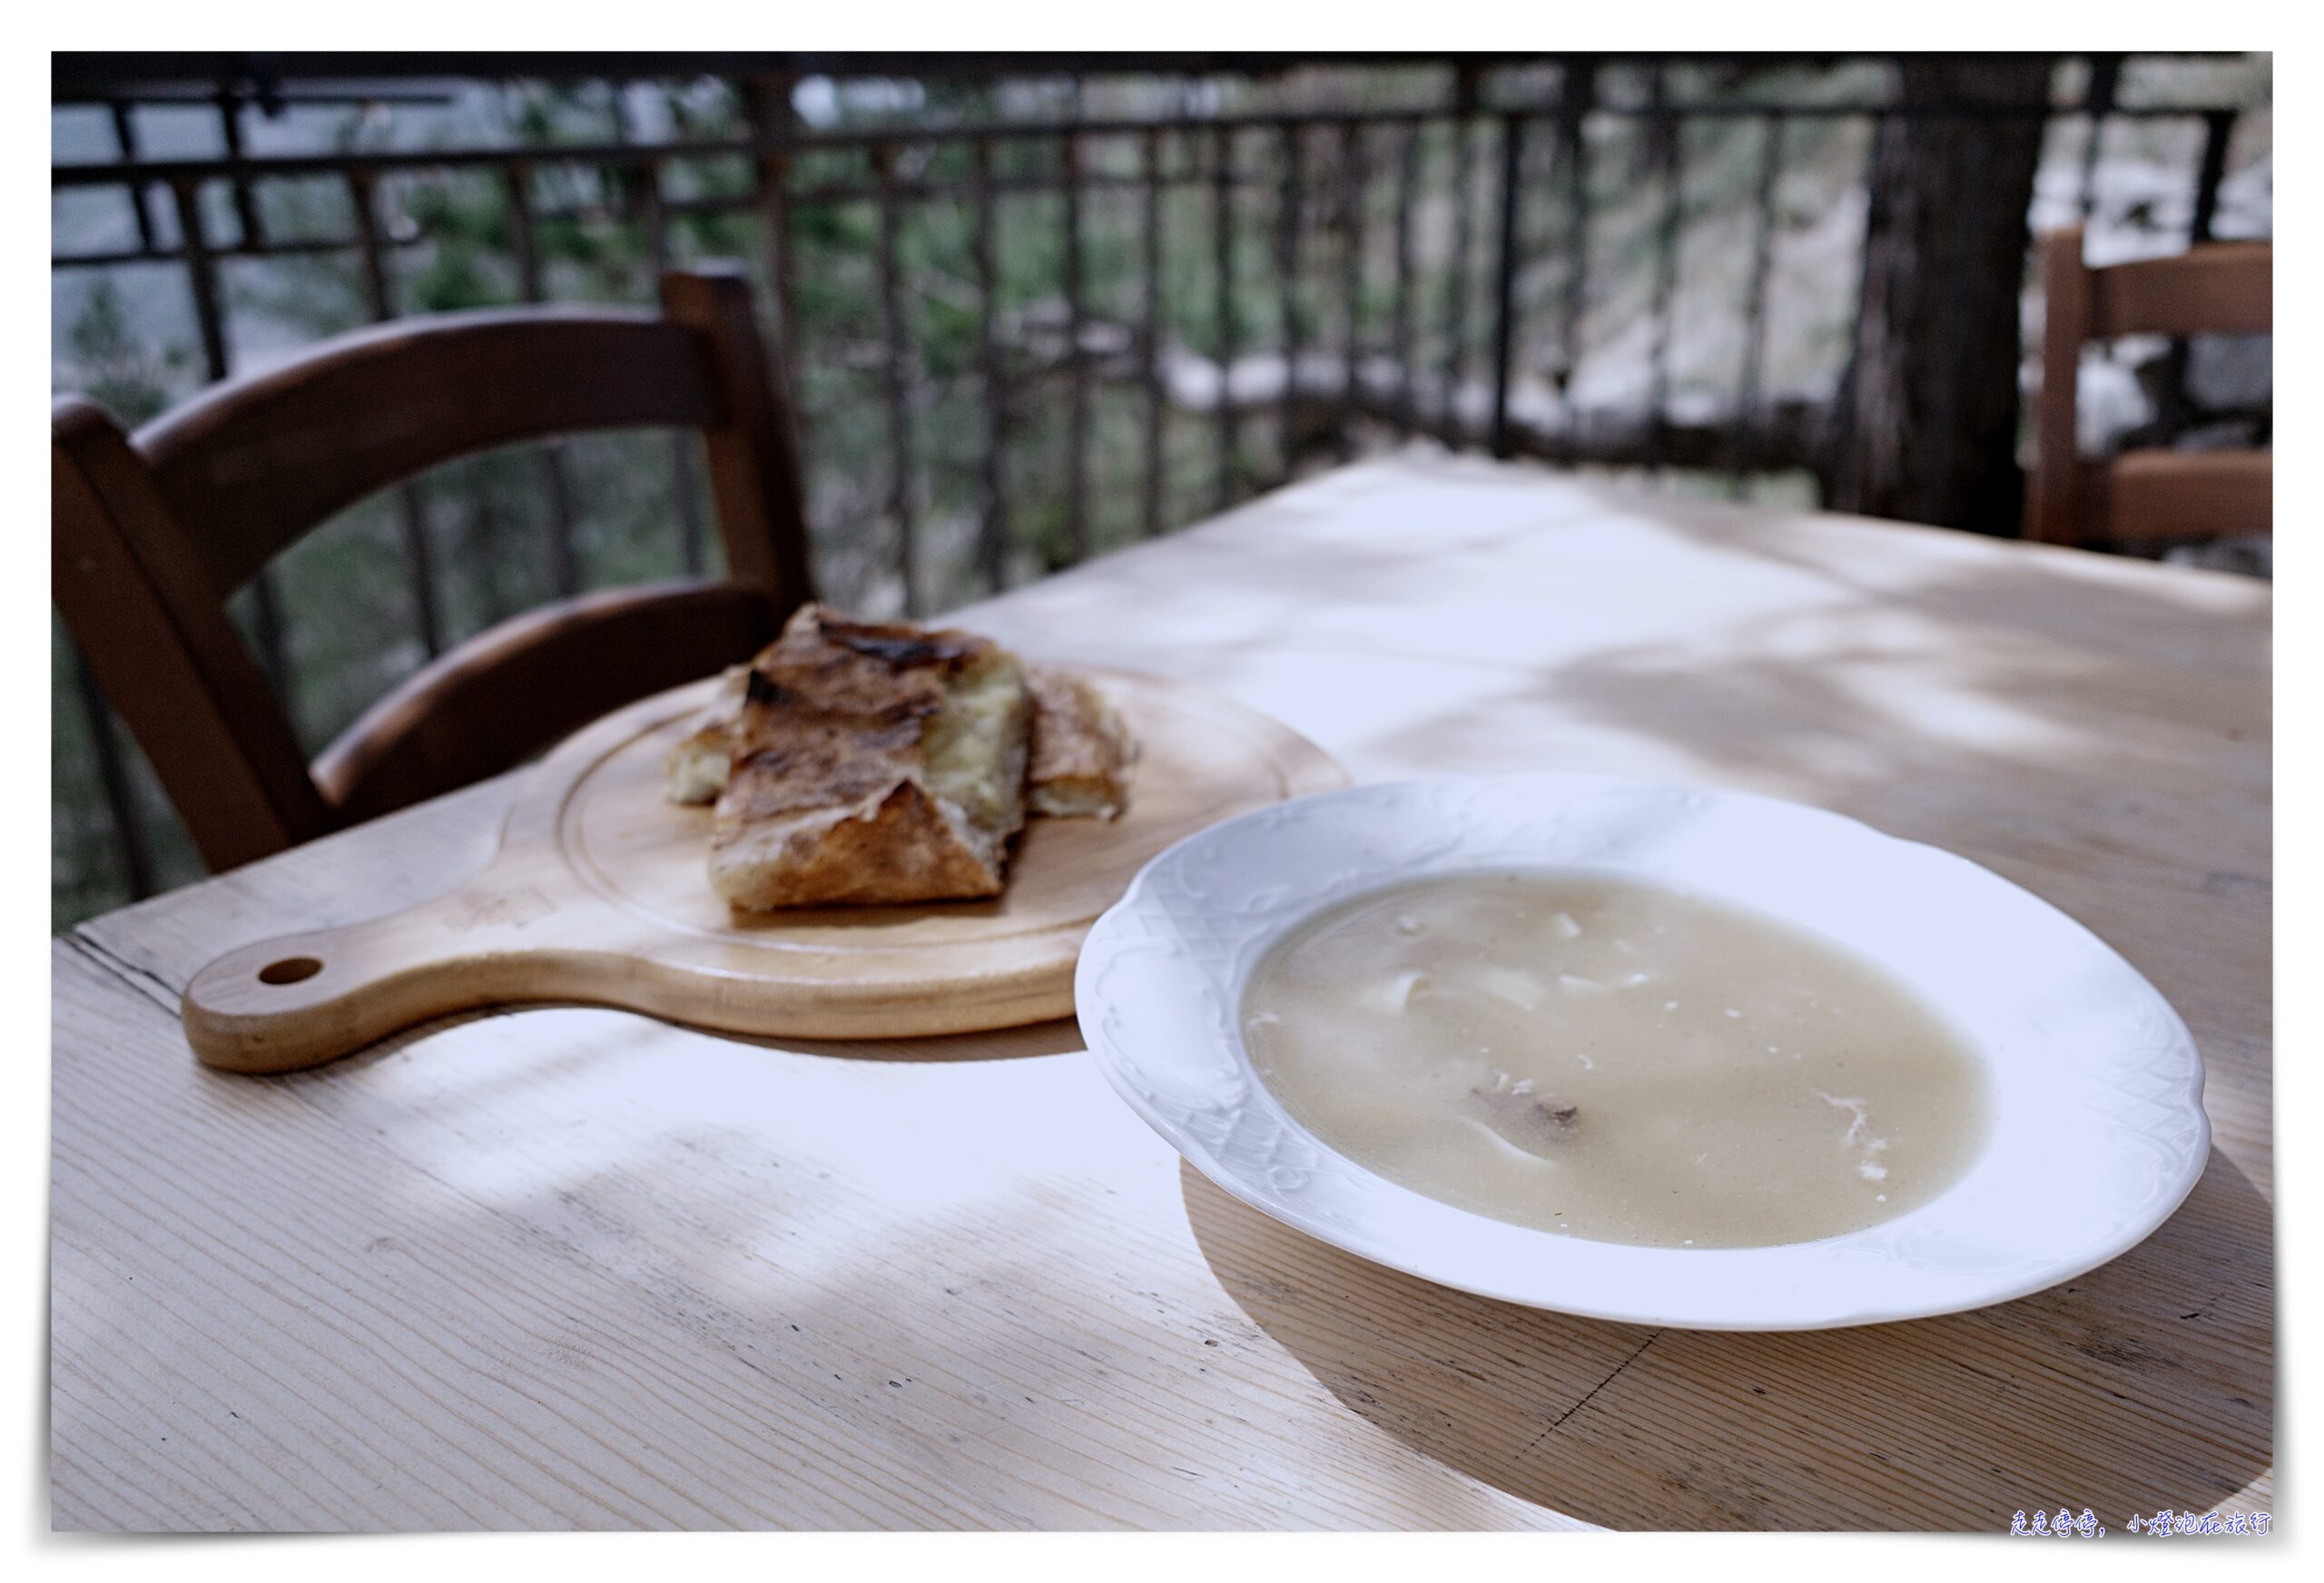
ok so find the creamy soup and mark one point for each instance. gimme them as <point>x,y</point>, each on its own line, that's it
<point>1615,1061</point>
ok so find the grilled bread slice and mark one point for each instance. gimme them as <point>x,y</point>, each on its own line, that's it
<point>871,763</point>
<point>1079,749</point>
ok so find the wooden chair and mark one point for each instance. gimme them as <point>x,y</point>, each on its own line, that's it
<point>2144,496</point>
<point>153,531</point>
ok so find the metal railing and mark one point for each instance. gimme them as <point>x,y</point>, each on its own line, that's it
<point>1312,318</point>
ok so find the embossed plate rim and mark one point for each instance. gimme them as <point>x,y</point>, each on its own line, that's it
<point>2090,1068</point>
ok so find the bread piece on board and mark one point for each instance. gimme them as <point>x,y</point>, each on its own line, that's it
<point>871,763</point>
<point>1080,749</point>
<point>1078,765</point>
<point>696,768</point>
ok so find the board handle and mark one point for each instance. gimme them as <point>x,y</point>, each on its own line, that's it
<point>299,1000</point>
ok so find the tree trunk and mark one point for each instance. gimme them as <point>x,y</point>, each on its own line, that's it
<point>1925,423</point>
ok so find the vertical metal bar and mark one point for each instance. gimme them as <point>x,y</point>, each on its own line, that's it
<point>229,126</point>
<point>112,775</point>
<point>201,273</point>
<point>683,496</point>
<point>899,381</point>
<point>1407,188</point>
<point>1456,304</point>
<point>124,135</point>
<point>563,559</point>
<point>1755,320</point>
<point>410,513</point>
<point>1573,107</point>
<point>1352,238</point>
<point>128,829</point>
<point>1221,208</point>
<point>1504,286</point>
<point>362,197</point>
<point>1832,446</point>
<point>622,178</point>
<point>770,103</point>
<point>1667,130</point>
<point>210,320</point>
<point>993,534</point>
<point>1287,259</point>
<point>1456,308</point>
<point>521,243</point>
<point>1077,460</point>
<point>1151,240</point>
<point>2098,104</point>
<point>2218,128</point>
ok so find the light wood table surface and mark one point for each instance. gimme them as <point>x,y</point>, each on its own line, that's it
<point>572,1267</point>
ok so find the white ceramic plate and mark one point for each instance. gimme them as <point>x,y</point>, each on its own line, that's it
<point>2099,1130</point>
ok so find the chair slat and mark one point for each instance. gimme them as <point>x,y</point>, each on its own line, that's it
<point>752,454</point>
<point>2156,495</point>
<point>152,534</point>
<point>2220,289</point>
<point>2144,496</point>
<point>165,654</point>
<point>251,465</point>
<point>493,703</point>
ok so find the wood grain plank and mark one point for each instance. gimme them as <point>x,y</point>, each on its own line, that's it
<point>597,894</point>
<point>757,1289</point>
<point>541,1269</point>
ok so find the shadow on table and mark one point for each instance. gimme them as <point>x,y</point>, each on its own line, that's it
<point>1058,1037</point>
<point>1062,1036</point>
<point>2120,1391</point>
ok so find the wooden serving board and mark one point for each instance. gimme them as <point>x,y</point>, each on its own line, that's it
<point>600,894</point>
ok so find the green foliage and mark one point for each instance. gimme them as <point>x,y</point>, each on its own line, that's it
<point>350,600</point>
<point>112,364</point>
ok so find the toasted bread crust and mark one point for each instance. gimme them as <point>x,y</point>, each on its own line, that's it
<point>1079,749</point>
<point>828,799</point>
<point>893,848</point>
<point>695,770</point>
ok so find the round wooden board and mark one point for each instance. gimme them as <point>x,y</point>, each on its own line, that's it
<point>600,894</point>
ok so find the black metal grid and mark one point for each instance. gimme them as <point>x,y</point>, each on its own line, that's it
<point>1228,157</point>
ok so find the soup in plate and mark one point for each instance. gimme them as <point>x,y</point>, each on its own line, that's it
<point>1615,1061</point>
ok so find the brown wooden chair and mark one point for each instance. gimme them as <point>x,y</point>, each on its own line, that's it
<point>152,532</point>
<point>2144,496</point>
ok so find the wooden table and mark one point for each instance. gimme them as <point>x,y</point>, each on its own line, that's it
<point>574,1267</point>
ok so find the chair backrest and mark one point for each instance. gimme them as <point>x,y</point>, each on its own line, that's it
<point>2213,289</point>
<point>153,532</point>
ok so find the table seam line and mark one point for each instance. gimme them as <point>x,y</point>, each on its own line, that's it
<point>1559,1421</point>
<point>142,982</point>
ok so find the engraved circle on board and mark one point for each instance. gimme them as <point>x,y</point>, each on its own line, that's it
<point>1200,757</point>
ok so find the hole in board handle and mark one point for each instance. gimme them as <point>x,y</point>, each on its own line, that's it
<point>288,970</point>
